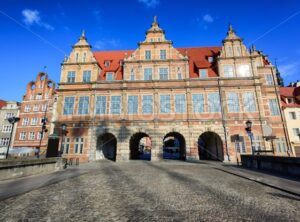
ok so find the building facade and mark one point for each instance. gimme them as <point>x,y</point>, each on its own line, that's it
<point>290,98</point>
<point>37,104</point>
<point>7,109</point>
<point>189,102</point>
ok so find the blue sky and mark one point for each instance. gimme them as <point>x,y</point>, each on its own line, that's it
<point>35,34</point>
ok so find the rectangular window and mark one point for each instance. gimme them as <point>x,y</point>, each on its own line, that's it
<point>101,105</point>
<point>148,55</point>
<point>148,74</point>
<point>39,96</point>
<point>71,77</point>
<point>69,105</point>
<point>8,115</point>
<point>229,51</point>
<point>78,145</point>
<point>179,76</point>
<point>132,77</point>
<point>115,105</point>
<point>163,54</point>
<point>86,76</point>
<point>240,145</point>
<point>249,102</point>
<point>83,106</point>
<point>27,108</point>
<point>25,122</point>
<point>238,50</point>
<point>165,103</point>
<point>65,145</point>
<point>203,73</point>
<point>214,103</point>
<point>163,73</point>
<point>233,102</point>
<point>274,108</point>
<point>292,115</point>
<point>280,145</point>
<point>132,104</point>
<point>34,121</point>
<point>243,70</point>
<point>147,104</point>
<point>6,128</point>
<point>180,103</point>
<point>22,136</point>
<point>228,71</point>
<point>39,135</point>
<point>31,136</point>
<point>4,141</point>
<point>36,108</point>
<point>256,140</point>
<point>198,103</point>
<point>296,132</point>
<point>109,76</point>
<point>44,107</point>
<point>269,79</point>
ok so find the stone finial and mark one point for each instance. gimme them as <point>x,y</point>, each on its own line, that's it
<point>82,34</point>
<point>155,19</point>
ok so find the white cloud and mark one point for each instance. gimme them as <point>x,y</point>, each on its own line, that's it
<point>150,3</point>
<point>105,44</point>
<point>32,17</point>
<point>208,18</point>
<point>289,69</point>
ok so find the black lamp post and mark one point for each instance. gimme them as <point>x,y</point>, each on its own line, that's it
<point>63,133</point>
<point>250,134</point>
<point>12,121</point>
<point>44,130</point>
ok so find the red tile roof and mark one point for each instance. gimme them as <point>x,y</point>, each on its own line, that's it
<point>289,92</point>
<point>198,58</point>
<point>2,103</point>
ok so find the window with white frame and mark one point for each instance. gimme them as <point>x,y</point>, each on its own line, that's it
<point>36,108</point>
<point>109,76</point>
<point>132,104</point>
<point>292,115</point>
<point>34,121</point>
<point>163,54</point>
<point>147,104</point>
<point>163,73</point>
<point>22,136</point>
<point>228,71</point>
<point>237,50</point>
<point>69,105</point>
<point>31,136</point>
<point>180,103</point>
<point>243,70</point>
<point>249,102</point>
<point>44,107</point>
<point>78,145</point>
<point>4,141</point>
<point>240,145</point>
<point>233,102</point>
<point>71,77</point>
<point>83,106</point>
<point>214,102</point>
<point>39,96</point>
<point>210,59</point>
<point>132,77</point>
<point>39,136</point>
<point>27,108</point>
<point>198,103</point>
<point>6,128</point>
<point>274,108</point>
<point>9,115</point>
<point>147,55</point>
<point>165,103</point>
<point>106,63</point>
<point>115,104</point>
<point>148,74</point>
<point>101,105</point>
<point>296,132</point>
<point>203,73</point>
<point>25,121</point>
<point>269,79</point>
<point>256,140</point>
<point>65,145</point>
<point>86,76</point>
<point>280,145</point>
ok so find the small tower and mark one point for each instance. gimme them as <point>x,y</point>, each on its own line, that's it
<point>155,33</point>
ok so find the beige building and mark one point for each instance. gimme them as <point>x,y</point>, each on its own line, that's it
<point>290,97</point>
<point>189,102</point>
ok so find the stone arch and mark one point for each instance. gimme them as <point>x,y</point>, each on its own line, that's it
<point>41,76</point>
<point>139,149</point>
<point>210,146</point>
<point>106,147</point>
<point>174,146</point>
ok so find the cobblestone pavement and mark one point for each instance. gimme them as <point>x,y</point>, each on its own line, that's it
<point>147,191</point>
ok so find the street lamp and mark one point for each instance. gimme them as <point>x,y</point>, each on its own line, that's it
<point>63,133</point>
<point>250,134</point>
<point>44,130</point>
<point>12,121</point>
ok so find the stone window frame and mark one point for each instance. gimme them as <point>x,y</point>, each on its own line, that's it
<point>22,136</point>
<point>214,104</point>
<point>233,104</point>
<point>165,110</point>
<point>247,108</point>
<point>31,135</point>
<point>274,107</point>
<point>78,145</point>
<point>201,73</point>
<point>163,73</point>
<point>99,99</point>
<point>269,79</point>
<point>117,103</point>
<point>145,105</point>
<point>228,73</point>
<point>201,106</point>
<point>180,105</point>
<point>83,105</point>
<point>86,76</point>
<point>66,110</point>
<point>71,77</point>
<point>135,105</point>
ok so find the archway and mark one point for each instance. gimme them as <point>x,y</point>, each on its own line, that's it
<point>106,147</point>
<point>174,146</point>
<point>210,147</point>
<point>140,147</point>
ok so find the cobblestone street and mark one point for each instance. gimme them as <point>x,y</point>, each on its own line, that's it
<point>148,191</point>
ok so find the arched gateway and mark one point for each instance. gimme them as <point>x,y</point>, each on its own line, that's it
<point>140,146</point>
<point>210,147</point>
<point>174,146</point>
<point>106,147</point>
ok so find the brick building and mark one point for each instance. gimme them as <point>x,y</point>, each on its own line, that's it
<point>188,102</point>
<point>37,104</point>
<point>290,100</point>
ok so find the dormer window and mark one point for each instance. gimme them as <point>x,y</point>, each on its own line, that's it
<point>290,100</point>
<point>109,76</point>
<point>107,63</point>
<point>203,73</point>
<point>210,59</point>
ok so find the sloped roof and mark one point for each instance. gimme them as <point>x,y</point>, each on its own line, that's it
<point>2,103</point>
<point>289,92</point>
<point>198,58</point>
